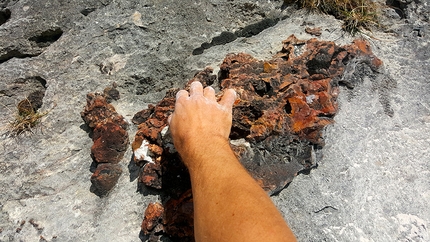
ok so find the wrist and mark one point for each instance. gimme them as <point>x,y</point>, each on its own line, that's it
<point>209,153</point>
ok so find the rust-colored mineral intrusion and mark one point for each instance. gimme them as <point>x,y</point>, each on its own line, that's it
<point>175,218</point>
<point>105,177</point>
<point>153,221</point>
<point>110,142</point>
<point>180,217</point>
<point>99,111</point>
<point>282,108</point>
<point>110,139</point>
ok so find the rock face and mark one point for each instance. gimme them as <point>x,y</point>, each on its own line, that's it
<point>371,184</point>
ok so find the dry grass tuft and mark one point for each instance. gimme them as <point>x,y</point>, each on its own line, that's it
<point>26,118</point>
<point>356,14</point>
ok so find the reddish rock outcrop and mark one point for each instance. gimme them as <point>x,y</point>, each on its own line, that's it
<point>110,139</point>
<point>99,111</point>
<point>282,107</point>
<point>105,177</point>
<point>110,143</point>
<point>153,221</point>
<point>159,219</point>
<point>180,217</point>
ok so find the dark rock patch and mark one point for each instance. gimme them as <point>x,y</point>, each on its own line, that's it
<point>23,86</point>
<point>111,93</point>
<point>398,6</point>
<point>15,53</point>
<point>222,39</point>
<point>47,37</point>
<point>32,47</point>
<point>256,28</point>
<point>4,15</point>
<point>87,11</point>
<point>143,115</point>
<point>227,37</point>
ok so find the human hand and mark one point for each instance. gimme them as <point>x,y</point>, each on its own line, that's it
<point>199,121</point>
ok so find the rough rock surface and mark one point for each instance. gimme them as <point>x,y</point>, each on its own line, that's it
<point>282,107</point>
<point>153,221</point>
<point>371,185</point>
<point>110,137</point>
<point>105,178</point>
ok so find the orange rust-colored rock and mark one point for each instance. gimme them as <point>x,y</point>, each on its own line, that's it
<point>110,139</point>
<point>152,124</point>
<point>151,175</point>
<point>109,129</point>
<point>282,107</point>
<point>110,143</point>
<point>98,110</point>
<point>105,178</point>
<point>294,93</point>
<point>176,218</point>
<point>153,221</point>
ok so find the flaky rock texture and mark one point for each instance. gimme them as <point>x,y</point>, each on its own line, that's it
<point>98,112</point>
<point>153,221</point>
<point>110,139</point>
<point>282,107</point>
<point>372,184</point>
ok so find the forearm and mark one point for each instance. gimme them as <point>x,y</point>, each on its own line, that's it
<point>228,203</point>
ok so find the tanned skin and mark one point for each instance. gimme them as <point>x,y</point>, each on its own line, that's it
<point>229,205</point>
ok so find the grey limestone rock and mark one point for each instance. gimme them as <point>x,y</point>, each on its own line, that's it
<point>372,184</point>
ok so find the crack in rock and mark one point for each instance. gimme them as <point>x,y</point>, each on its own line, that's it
<point>4,15</point>
<point>227,37</point>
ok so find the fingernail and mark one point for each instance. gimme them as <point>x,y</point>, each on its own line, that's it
<point>234,92</point>
<point>209,87</point>
<point>180,93</point>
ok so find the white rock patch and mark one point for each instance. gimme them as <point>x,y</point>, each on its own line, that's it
<point>143,152</point>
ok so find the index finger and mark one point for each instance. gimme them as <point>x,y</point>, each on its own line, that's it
<point>228,98</point>
<point>181,94</point>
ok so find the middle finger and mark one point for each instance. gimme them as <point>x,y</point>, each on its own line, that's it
<point>196,89</point>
